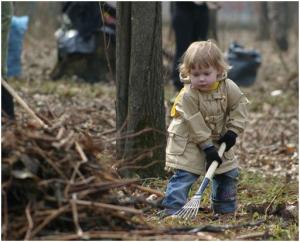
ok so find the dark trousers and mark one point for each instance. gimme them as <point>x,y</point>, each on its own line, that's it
<point>190,23</point>
<point>7,103</point>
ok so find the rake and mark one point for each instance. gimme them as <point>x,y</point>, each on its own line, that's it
<point>190,209</point>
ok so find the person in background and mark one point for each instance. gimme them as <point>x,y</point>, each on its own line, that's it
<point>209,110</point>
<point>190,21</point>
<point>6,98</point>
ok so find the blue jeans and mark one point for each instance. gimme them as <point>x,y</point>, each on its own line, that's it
<point>223,195</point>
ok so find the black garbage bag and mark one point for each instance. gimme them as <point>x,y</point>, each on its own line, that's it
<point>245,64</point>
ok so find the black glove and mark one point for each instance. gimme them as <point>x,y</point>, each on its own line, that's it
<point>229,139</point>
<point>211,155</point>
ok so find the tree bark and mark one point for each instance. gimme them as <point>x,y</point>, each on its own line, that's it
<point>213,24</point>
<point>123,33</point>
<point>278,15</point>
<point>140,93</point>
<point>263,21</point>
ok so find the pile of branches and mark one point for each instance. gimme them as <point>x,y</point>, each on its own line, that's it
<point>54,183</point>
<point>57,186</point>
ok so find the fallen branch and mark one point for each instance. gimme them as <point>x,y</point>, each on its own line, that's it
<point>97,187</point>
<point>113,130</point>
<point>47,159</point>
<point>22,103</point>
<point>128,162</point>
<point>64,141</point>
<point>106,47</point>
<point>147,189</point>
<point>263,235</point>
<point>140,157</point>
<point>81,153</point>
<point>276,195</point>
<point>75,214</point>
<point>136,134</point>
<point>121,235</point>
<point>146,235</point>
<point>5,215</point>
<point>30,222</point>
<point>59,123</point>
<point>221,228</point>
<point>60,133</point>
<point>48,219</point>
<point>109,206</point>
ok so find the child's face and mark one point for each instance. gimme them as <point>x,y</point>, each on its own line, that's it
<point>204,78</point>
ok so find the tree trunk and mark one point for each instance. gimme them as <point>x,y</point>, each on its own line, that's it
<point>293,19</point>
<point>213,24</point>
<point>122,71</point>
<point>140,93</point>
<point>263,21</point>
<point>278,15</point>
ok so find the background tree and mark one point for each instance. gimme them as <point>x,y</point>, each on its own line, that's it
<point>140,95</point>
<point>275,22</point>
<point>213,26</point>
<point>263,32</point>
<point>279,24</point>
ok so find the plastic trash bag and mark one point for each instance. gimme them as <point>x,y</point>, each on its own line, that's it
<point>245,64</point>
<point>70,41</point>
<point>19,26</point>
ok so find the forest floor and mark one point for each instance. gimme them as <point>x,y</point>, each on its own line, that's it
<point>268,154</point>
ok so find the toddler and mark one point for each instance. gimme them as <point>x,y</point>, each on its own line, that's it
<point>210,109</point>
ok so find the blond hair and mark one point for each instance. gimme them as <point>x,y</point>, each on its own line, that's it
<point>203,54</point>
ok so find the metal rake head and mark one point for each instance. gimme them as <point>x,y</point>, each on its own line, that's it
<point>190,209</point>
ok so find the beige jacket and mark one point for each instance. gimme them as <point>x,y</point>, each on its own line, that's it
<point>200,119</point>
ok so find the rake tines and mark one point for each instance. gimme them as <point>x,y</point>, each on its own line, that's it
<point>190,209</point>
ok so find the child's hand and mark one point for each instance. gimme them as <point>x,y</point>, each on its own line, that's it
<point>211,154</point>
<point>229,139</point>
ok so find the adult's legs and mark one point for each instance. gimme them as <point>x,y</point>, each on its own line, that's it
<point>183,28</point>
<point>6,98</point>
<point>200,22</point>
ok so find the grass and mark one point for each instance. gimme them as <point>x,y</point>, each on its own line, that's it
<point>257,194</point>
<point>65,88</point>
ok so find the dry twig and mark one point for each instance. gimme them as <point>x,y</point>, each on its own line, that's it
<point>149,190</point>
<point>49,218</point>
<point>276,195</point>
<point>106,46</point>
<point>5,215</point>
<point>23,103</point>
<point>108,206</point>
<point>75,214</point>
<point>81,153</point>
<point>30,221</point>
<point>253,235</point>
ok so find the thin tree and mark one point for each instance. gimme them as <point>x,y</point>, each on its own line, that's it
<point>275,21</point>
<point>279,24</point>
<point>263,30</point>
<point>140,114</point>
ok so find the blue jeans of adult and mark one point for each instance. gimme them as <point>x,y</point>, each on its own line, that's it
<point>223,191</point>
